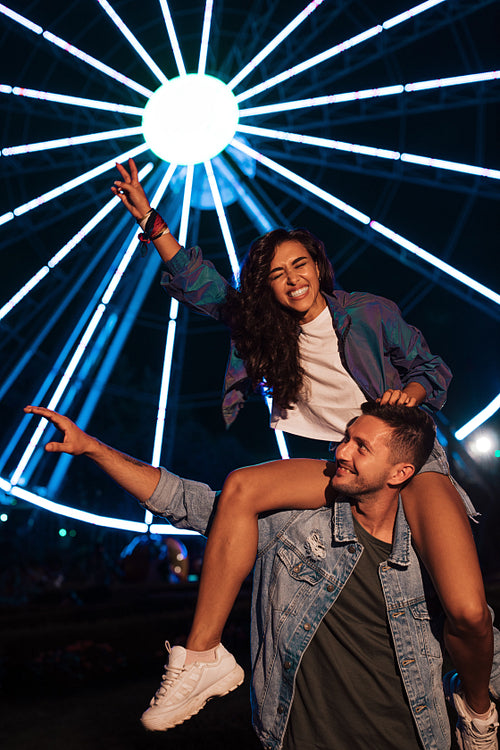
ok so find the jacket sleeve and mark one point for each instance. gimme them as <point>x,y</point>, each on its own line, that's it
<point>410,355</point>
<point>195,282</point>
<point>186,504</point>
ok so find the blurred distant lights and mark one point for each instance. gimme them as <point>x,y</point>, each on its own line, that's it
<point>4,517</point>
<point>64,532</point>
<point>483,445</point>
<point>479,419</point>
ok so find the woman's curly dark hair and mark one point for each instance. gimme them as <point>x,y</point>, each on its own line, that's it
<point>266,335</point>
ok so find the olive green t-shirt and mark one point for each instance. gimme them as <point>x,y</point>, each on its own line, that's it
<point>349,694</point>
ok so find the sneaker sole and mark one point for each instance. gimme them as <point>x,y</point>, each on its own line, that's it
<point>226,685</point>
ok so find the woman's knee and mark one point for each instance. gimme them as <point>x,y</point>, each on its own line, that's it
<point>240,490</point>
<point>470,618</point>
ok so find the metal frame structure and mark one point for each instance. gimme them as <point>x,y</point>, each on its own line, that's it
<point>306,76</point>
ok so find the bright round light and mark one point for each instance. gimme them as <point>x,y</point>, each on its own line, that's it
<point>483,444</point>
<point>190,119</point>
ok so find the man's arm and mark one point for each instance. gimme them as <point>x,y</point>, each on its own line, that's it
<point>185,503</point>
<point>137,478</point>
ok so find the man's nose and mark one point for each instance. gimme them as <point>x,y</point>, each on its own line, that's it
<point>342,451</point>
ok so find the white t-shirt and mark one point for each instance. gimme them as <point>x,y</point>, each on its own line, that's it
<point>329,397</point>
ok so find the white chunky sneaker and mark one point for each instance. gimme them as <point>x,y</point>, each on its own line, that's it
<point>185,690</point>
<point>471,733</point>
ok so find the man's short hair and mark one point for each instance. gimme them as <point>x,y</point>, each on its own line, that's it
<point>413,431</point>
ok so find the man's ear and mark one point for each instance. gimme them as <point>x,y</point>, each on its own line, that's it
<point>400,474</point>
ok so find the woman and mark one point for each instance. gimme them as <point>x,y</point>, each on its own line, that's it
<point>321,354</point>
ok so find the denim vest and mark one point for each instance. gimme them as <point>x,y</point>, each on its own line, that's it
<point>303,562</point>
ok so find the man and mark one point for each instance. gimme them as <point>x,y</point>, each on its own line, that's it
<point>346,650</point>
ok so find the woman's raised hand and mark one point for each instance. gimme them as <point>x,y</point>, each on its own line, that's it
<point>130,191</point>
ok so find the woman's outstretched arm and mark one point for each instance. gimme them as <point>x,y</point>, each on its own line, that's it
<point>131,193</point>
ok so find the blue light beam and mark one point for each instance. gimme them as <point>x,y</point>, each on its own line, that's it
<point>436,262</point>
<point>381,153</point>
<point>173,37</point>
<point>77,140</point>
<point>67,186</point>
<point>302,182</point>
<point>62,44</point>
<point>479,419</point>
<point>283,34</point>
<point>76,101</point>
<point>169,346</point>
<point>351,96</point>
<point>364,219</point>
<point>133,41</point>
<point>65,250</point>
<point>336,50</point>
<point>224,225</point>
<point>205,36</point>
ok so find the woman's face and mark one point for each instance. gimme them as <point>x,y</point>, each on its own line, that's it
<point>294,280</point>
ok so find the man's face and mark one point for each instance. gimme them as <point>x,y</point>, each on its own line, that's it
<point>363,458</point>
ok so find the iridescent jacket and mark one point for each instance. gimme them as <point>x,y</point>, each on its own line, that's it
<point>378,348</point>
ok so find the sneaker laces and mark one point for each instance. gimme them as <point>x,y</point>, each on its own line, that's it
<point>170,675</point>
<point>483,732</point>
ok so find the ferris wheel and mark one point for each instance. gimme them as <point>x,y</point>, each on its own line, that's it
<point>367,121</point>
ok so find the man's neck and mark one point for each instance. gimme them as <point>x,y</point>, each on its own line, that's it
<point>377,513</point>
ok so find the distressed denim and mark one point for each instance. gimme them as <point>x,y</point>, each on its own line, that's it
<point>303,562</point>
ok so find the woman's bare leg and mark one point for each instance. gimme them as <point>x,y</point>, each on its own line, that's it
<point>441,531</point>
<point>232,543</point>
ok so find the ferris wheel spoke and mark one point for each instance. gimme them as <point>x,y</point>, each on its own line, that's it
<point>57,258</point>
<point>171,330</point>
<point>373,93</point>
<point>274,43</point>
<point>411,13</point>
<point>133,41</point>
<point>375,225</point>
<point>223,222</point>
<point>381,153</point>
<point>310,63</point>
<point>311,140</point>
<point>205,36</point>
<point>251,205</point>
<point>174,43</point>
<point>117,273</point>
<point>72,50</point>
<point>76,101</point>
<point>338,49</point>
<point>436,262</point>
<point>302,182</point>
<point>65,250</point>
<point>71,184</point>
<point>58,393</point>
<point>76,140</point>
